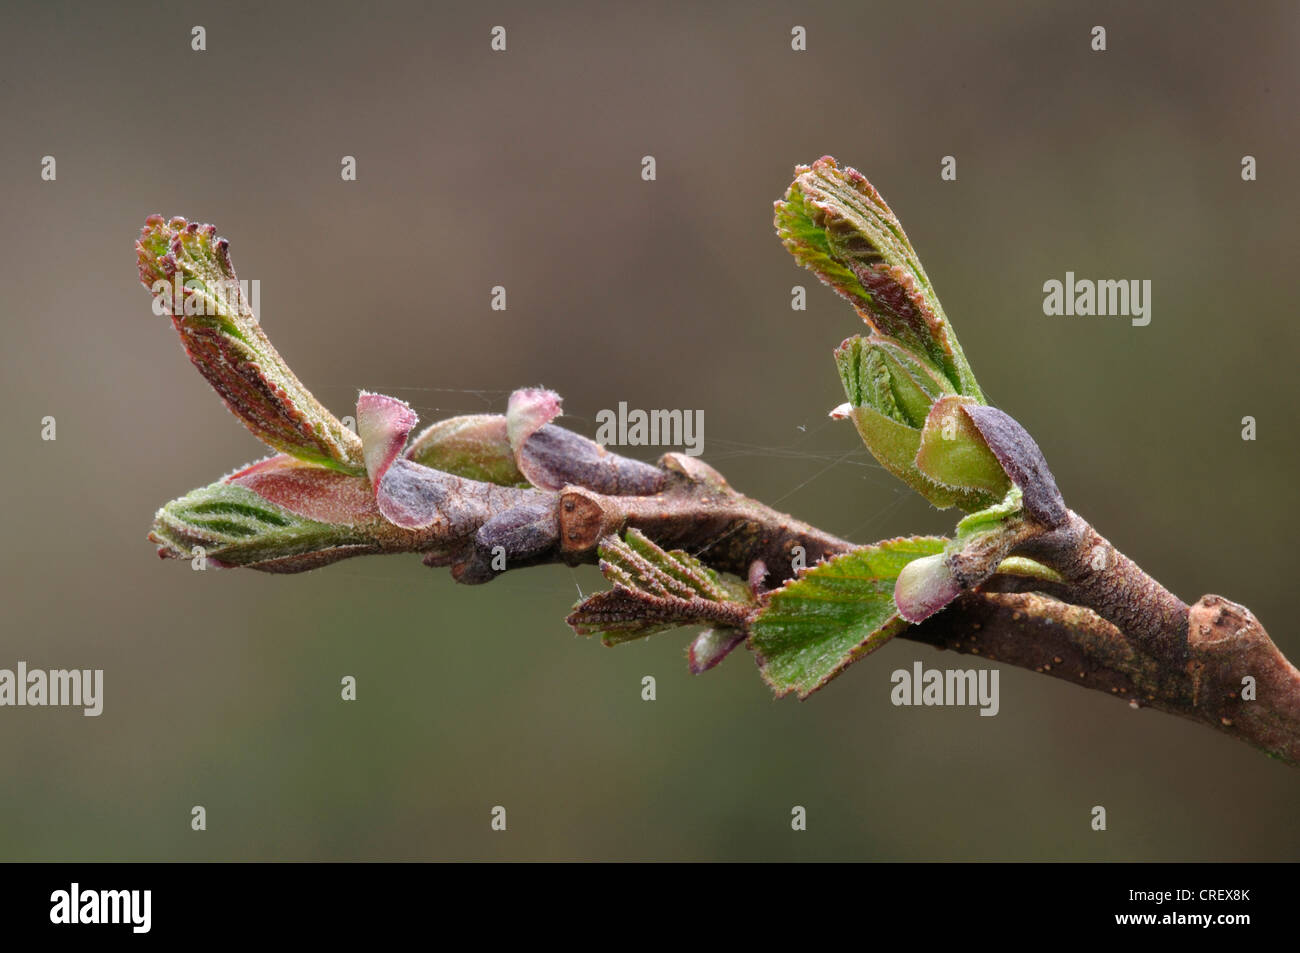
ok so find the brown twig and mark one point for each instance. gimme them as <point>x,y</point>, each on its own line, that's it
<point>1235,679</point>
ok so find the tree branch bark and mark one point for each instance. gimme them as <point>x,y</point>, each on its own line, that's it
<point>1108,625</point>
<point>1234,680</point>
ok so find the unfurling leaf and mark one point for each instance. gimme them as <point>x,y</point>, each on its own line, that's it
<point>656,590</point>
<point>188,270</point>
<point>897,384</point>
<point>836,224</point>
<point>911,391</point>
<point>815,626</point>
<point>236,526</point>
<point>891,394</point>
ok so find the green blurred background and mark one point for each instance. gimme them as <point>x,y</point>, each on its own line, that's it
<point>523,169</point>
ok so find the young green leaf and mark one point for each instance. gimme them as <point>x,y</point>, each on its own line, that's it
<point>815,626</point>
<point>234,526</point>
<point>836,224</point>
<point>189,272</point>
<point>656,590</point>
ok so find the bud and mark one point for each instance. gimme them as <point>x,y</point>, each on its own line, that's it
<point>925,586</point>
<point>891,394</point>
<point>710,647</point>
<point>980,548</point>
<point>551,457</point>
<point>953,453</point>
<point>476,447</point>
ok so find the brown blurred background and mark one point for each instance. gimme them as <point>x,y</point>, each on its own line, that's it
<point>523,169</point>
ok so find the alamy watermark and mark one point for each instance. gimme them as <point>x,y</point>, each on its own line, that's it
<point>75,905</point>
<point>195,297</point>
<point>1125,298</point>
<point>58,687</point>
<point>651,428</point>
<point>953,686</point>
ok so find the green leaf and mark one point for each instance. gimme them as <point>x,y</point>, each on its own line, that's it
<point>836,224</point>
<point>879,373</point>
<point>654,591</point>
<point>189,272</point>
<point>234,526</point>
<point>814,627</point>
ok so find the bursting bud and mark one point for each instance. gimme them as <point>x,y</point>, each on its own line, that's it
<point>908,382</point>
<point>476,446</point>
<point>908,415</point>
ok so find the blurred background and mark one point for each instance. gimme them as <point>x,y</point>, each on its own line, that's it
<point>522,169</point>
